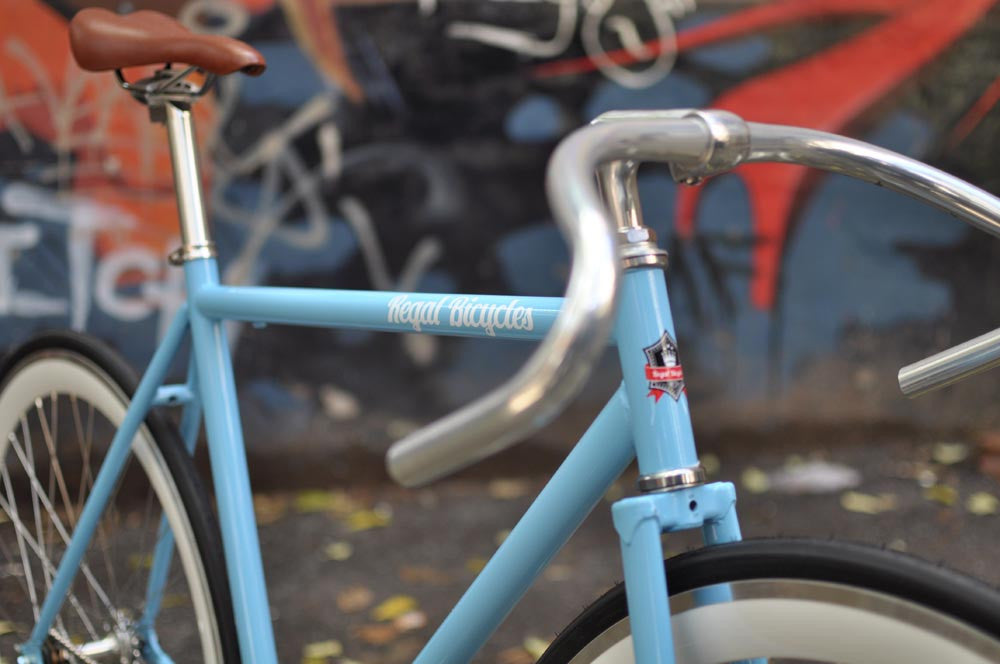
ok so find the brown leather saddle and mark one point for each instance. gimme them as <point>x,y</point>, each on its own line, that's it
<point>102,40</point>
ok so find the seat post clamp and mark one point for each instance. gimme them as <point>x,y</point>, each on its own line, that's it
<point>186,253</point>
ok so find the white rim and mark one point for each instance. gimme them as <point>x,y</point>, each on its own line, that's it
<point>67,374</point>
<point>804,620</point>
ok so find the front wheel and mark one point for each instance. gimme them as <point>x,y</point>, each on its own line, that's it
<point>802,601</point>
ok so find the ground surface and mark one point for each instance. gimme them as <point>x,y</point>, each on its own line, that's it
<point>365,571</point>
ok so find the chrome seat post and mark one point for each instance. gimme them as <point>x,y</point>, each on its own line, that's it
<point>196,240</point>
<point>169,96</point>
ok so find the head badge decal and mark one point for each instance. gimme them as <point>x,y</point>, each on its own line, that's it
<point>663,368</point>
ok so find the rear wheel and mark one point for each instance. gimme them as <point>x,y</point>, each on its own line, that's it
<point>802,601</point>
<point>62,397</point>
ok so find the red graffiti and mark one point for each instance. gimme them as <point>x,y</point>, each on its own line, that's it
<point>975,114</point>
<point>830,91</point>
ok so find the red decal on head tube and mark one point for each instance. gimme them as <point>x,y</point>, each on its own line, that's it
<point>663,369</point>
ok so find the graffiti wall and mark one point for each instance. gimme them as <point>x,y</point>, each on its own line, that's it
<point>401,144</point>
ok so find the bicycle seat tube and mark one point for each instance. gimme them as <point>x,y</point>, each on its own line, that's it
<point>217,390</point>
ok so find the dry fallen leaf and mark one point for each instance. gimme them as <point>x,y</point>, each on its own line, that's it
<point>942,493</point>
<point>368,519</point>
<point>338,550</point>
<point>423,574</point>
<point>394,607</point>
<point>174,600</point>
<point>949,453</point>
<point>321,651</point>
<point>866,503</point>
<point>926,477</point>
<point>410,621</point>
<point>614,493</point>
<point>475,564</point>
<point>508,489</point>
<point>557,572</point>
<point>138,561</point>
<point>535,646</point>
<point>7,627</point>
<point>755,480</point>
<point>339,404</point>
<point>404,649</point>
<point>501,536</point>
<point>515,655</point>
<point>982,504</point>
<point>376,635</point>
<point>269,508</point>
<point>315,500</point>
<point>710,462</point>
<point>354,599</point>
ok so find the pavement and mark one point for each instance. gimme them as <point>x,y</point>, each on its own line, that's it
<point>361,570</point>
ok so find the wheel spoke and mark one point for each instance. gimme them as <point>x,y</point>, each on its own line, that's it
<point>57,522</point>
<point>56,466</point>
<point>12,561</point>
<point>85,438</point>
<point>28,540</point>
<point>36,510</point>
<point>138,573</point>
<point>86,444</point>
<point>11,510</point>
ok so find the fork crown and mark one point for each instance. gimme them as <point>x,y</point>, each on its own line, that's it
<point>640,520</point>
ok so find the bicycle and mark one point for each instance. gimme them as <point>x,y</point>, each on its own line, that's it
<point>730,601</point>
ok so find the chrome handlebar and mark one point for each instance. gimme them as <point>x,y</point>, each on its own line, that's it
<point>908,176</point>
<point>952,365</point>
<point>559,366</point>
<point>696,144</point>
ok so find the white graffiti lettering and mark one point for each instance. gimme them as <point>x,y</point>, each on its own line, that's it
<point>598,16</point>
<point>14,239</point>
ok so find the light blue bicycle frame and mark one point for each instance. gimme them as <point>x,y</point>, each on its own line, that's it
<point>633,424</point>
<point>636,423</point>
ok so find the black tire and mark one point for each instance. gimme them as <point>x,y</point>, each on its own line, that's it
<point>852,566</point>
<point>196,505</point>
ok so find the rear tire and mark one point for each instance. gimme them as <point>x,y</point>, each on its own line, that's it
<point>802,600</point>
<point>62,397</point>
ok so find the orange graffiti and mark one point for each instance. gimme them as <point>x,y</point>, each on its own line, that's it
<point>315,26</point>
<point>108,150</point>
